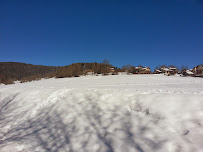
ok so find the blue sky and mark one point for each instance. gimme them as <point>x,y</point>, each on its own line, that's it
<point>146,32</point>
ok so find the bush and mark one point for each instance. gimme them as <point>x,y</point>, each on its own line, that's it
<point>8,81</point>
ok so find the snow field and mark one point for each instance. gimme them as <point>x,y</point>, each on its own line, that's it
<point>139,113</point>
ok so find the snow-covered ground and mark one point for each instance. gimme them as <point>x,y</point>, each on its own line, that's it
<point>143,113</point>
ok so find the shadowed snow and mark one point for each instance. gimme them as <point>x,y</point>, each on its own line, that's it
<point>139,113</point>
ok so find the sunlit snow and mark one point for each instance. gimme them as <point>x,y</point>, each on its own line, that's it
<point>122,113</point>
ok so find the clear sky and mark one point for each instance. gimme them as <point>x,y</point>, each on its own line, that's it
<point>61,32</point>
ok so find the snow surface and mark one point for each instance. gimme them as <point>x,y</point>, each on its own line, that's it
<point>124,113</point>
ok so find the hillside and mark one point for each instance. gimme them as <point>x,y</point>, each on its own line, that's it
<point>22,71</point>
<point>118,113</point>
<point>12,71</point>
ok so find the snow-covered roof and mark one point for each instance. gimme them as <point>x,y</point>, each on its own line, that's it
<point>145,68</point>
<point>172,68</point>
<point>157,70</point>
<point>165,69</point>
<point>189,72</point>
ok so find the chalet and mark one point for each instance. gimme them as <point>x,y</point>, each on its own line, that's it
<point>169,71</point>
<point>146,70</point>
<point>186,73</point>
<point>137,70</point>
<point>89,72</point>
<point>157,71</point>
<point>189,72</point>
<point>198,70</point>
<point>142,70</point>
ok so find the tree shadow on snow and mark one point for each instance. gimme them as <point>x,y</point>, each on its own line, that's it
<point>88,128</point>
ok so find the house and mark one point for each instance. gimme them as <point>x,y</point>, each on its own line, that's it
<point>141,70</point>
<point>145,70</point>
<point>137,70</point>
<point>156,71</point>
<point>89,72</point>
<point>111,69</point>
<point>189,72</point>
<point>169,71</point>
<point>198,70</point>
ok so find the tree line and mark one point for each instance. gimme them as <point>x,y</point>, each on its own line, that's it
<point>78,69</point>
<point>13,71</point>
